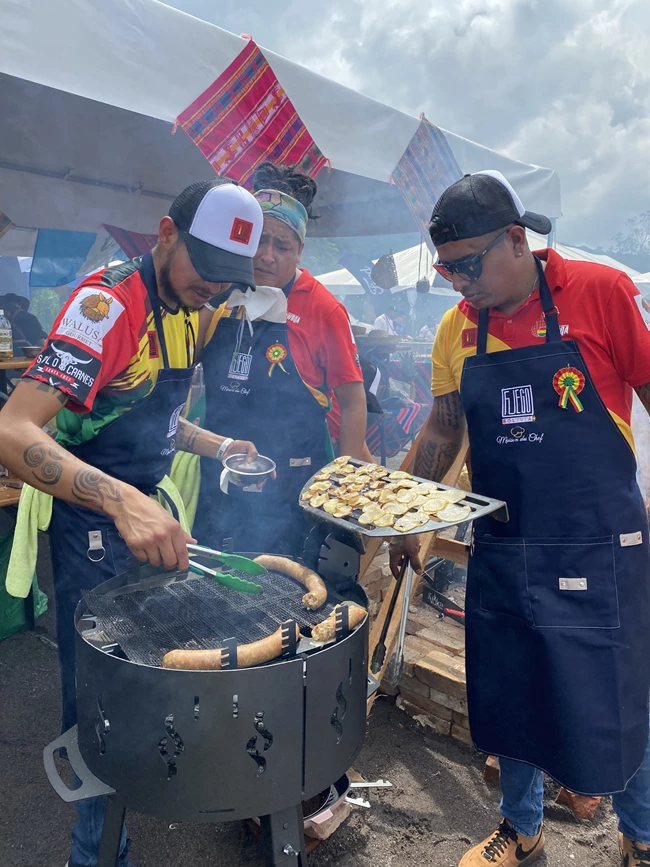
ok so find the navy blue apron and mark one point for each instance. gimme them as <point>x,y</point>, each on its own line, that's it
<point>254,392</point>
<point>558,649</point>
<point>137,448</point>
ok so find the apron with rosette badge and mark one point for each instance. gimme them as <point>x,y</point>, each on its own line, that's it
<point>558,646</point>
<point>254,392</point>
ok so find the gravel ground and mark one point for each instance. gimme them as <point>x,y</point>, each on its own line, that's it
<point>438,806</point>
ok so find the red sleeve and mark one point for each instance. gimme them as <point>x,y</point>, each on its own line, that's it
<point>90,343</point>
<point>628,326</point>
<point>338,355</point>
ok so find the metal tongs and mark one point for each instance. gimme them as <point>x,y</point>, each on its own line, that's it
<point>231,561</point>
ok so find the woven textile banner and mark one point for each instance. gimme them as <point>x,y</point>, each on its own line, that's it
<point>426,169</point>
<point>58,255</point>
<point>103,251</point>
<point>132,244</point>
<point>5,224</point>
<point>245,117</point>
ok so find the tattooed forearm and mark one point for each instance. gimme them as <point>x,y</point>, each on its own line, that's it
<point>441,438</point>
<point>433,460</point>
<point>448,411</point>
<point>186,436</point>
<point>197,440</point>
<point>93,488</point>
<point>59,395</point>
<point>45,461</point>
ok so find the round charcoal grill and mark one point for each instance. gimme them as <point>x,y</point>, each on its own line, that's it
<point>211,746</point>
<point>146,620</point>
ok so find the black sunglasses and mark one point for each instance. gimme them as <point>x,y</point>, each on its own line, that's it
<point>471,266</point>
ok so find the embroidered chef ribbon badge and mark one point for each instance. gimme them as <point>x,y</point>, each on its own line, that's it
<point>568,383</point>
<point>276,354</point>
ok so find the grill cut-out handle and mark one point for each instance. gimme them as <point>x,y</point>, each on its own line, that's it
<point>90,786</point>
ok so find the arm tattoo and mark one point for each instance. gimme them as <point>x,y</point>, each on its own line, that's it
<point>435,455</point>
<point>59,395</point>
<point>186,435</point>
<point>47,459</point>
<point>433,460</point>
<point>448,411</point>
<point>92,488</point>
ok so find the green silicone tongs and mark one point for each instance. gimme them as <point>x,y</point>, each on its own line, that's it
<point>230,561</point>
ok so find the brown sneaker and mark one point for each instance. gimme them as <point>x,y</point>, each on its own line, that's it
<point>633,854</point>
<point>505,848</point>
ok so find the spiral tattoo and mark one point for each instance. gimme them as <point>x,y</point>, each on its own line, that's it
<point>34,455</point>
<point>93,488</point>
<point>48,459</point>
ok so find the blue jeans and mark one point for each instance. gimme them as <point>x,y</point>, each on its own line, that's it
<point>522,794</point>
<point>87,834</point>
<point>73,572</point>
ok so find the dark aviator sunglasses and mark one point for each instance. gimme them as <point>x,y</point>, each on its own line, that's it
<point>470,267</point>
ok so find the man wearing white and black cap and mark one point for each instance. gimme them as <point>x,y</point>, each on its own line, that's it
<point>116,372</point>
<point>538,362</point>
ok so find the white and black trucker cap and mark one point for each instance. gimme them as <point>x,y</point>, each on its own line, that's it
<point>221,224</point>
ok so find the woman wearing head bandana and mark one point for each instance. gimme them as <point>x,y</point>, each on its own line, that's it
<point>273,358</point>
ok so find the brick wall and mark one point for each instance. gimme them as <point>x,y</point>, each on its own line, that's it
<point>432,688</point>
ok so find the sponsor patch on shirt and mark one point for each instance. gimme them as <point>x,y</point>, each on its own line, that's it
<point>152,337</point>
<point>539,328</point>
<point>469,337</point>
<point>67,367</point>
<point>89,317</point>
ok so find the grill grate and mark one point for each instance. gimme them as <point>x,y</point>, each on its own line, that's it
<point>194,613</point>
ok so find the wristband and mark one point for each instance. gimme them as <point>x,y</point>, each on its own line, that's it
<point>223,448</point>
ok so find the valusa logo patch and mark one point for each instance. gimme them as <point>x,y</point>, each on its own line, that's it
<point>96,307</point>
<point>88,318</point>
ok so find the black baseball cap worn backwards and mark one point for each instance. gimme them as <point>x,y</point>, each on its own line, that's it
<point>478,204</point>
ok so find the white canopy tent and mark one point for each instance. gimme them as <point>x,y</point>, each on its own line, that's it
<point>643,281</point>
<point>411,264</point>
<point>415,262</point>
<point>88,94</point>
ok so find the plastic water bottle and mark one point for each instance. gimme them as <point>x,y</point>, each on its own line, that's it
<point>6,339</point>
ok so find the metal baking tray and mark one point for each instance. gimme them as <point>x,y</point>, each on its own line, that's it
<point>480,506</point>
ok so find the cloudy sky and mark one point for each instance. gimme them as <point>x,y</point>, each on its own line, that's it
<point>560,83</point>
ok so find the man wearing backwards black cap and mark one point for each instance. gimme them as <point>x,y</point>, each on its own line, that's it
<point>117,369</point>
<point>538,361</point>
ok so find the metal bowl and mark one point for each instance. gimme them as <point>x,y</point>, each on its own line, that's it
<point>31,351</point>
<point>249,473</point>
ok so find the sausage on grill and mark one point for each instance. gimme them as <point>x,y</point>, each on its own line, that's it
<point>316,596</point>
<point>248,655</point>
<point>326,629</point>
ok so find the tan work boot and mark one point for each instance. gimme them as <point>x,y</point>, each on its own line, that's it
<point>633,854</point>
<point>505,848</point>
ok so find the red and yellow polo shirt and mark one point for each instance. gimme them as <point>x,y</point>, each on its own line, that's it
<point>103,350</point>
<point>599,307</point>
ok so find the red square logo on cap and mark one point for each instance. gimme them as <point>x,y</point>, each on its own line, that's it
<point>241,231</point>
